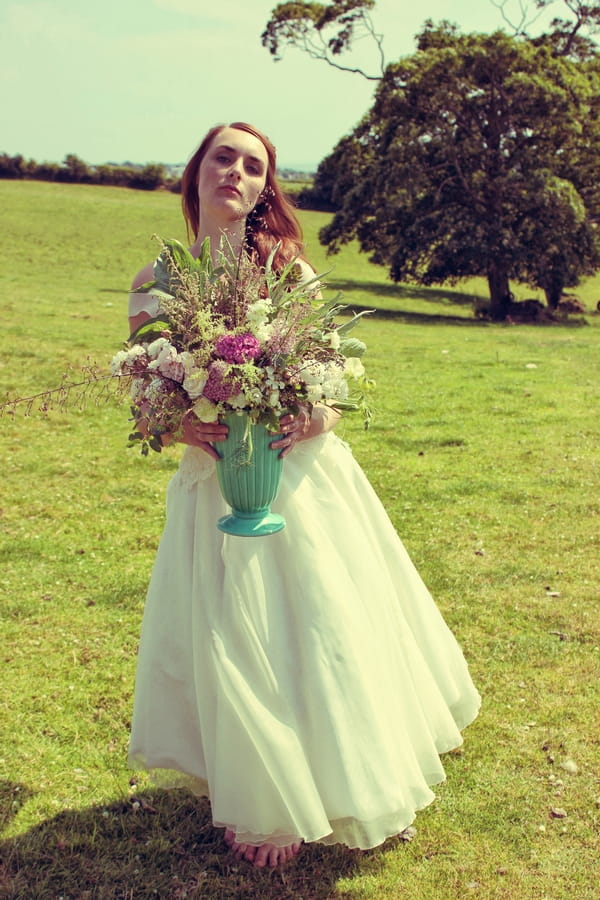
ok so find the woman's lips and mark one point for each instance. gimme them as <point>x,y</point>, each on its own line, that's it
<point>230,189</point>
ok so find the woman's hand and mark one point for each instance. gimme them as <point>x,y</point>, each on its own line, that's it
<point>292,428</point>
<point>202,434</point>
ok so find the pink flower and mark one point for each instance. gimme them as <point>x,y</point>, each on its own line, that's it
<point>237,348</point>
<point>220,385</point>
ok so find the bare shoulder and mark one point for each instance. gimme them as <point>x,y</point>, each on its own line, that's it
<point>143,276</point>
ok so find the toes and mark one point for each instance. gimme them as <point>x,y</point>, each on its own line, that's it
<point>263,854</point>
<point>249,853</point>
<point>239,849</point>
<point>270,855</point>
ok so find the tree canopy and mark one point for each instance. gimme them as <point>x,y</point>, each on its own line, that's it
<point>478,157</point>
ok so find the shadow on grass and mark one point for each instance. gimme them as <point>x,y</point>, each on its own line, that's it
<point>398,291</point>
<point>417,318</point>
<point>158,844</point>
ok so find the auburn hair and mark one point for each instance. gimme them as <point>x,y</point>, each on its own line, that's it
<point>273,220</point>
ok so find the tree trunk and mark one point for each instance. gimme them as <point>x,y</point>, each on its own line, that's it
<point>500,295</point>
<point>553,284</point>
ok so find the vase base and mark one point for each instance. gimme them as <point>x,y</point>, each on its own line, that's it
<point>251,526</point>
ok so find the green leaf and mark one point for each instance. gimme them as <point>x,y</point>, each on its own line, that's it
<point>352,347</point>
<point>150,329</point>
<point>347,405</point>
<point>204,260</point>
<point>353,322</point>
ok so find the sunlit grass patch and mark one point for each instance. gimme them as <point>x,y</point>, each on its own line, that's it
<point>484,449</point>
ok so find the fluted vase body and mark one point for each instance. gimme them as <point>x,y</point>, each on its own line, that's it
<point>249,473</point>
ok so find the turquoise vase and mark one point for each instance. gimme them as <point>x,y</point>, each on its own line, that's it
<point>249,473</point>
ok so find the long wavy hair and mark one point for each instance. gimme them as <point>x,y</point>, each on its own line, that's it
<point>273,220</point>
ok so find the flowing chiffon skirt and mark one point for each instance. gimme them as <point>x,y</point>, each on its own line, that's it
<point>305,681</point>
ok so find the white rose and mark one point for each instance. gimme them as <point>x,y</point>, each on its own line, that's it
<point>194,383</point>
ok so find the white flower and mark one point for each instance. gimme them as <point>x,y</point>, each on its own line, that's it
<point>313,372</point>
<point>206,410</point>
<point>156,346</point>
<point>116,363</point>
<point>314,392</point>
<point>194,382</point>
<point>259,311</point>
<point>124,361</point>
<point>263,332</point>
<point>167,362</point>
<point>354,367</point>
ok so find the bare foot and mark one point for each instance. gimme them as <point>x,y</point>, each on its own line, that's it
<point>270,855</point>
<point>262,855</point>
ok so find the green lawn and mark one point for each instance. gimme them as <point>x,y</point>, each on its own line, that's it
<point>485,451</point>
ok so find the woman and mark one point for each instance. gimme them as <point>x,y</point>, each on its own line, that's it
<point>305,681</point>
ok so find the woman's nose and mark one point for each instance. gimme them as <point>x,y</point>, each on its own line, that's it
<point>235,170</point>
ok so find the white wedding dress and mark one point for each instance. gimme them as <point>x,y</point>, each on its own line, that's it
<point>305,681</point>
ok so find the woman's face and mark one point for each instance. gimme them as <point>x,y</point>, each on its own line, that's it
<point>232,175</point>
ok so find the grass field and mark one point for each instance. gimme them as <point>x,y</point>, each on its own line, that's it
<point>485,451</point>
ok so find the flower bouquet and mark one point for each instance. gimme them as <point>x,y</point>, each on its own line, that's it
<point>244,345</point>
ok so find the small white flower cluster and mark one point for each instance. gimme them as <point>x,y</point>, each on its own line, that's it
<point>324,380</point>
<point>125,360</point>
<point>258,316</point>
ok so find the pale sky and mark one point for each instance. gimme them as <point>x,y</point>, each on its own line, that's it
<point>143,80</point>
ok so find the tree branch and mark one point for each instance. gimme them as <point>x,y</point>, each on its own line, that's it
<point>524,23</point>
<point>304,25</point>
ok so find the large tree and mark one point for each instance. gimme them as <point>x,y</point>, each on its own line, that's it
<point>478,157</point>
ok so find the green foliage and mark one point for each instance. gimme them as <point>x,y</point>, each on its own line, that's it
<point>75,171</point>
<point>337,175</point>
<point>475,159</point>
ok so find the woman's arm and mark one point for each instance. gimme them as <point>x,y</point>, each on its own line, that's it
<point>143,277</point>
<point>193,432</point>
<point>303,426</point>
